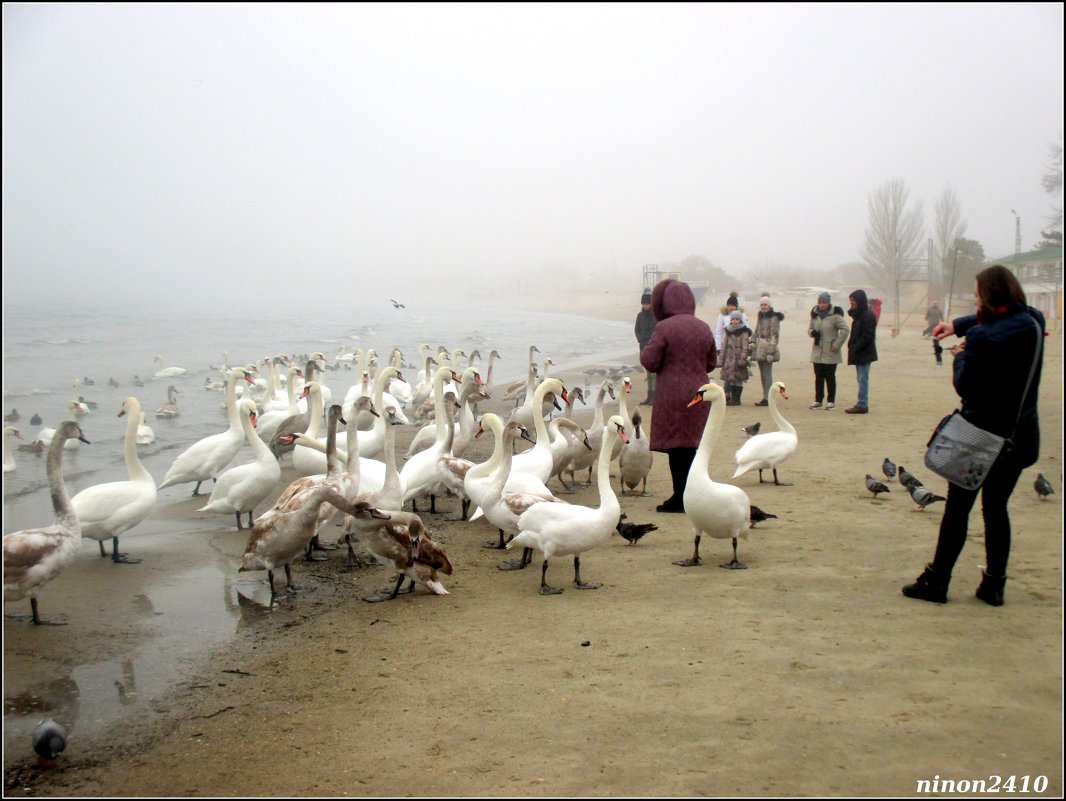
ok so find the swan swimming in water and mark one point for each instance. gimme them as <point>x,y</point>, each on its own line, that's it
<point>167,372</point>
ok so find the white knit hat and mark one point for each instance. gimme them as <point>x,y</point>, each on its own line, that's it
<point>765,299</point>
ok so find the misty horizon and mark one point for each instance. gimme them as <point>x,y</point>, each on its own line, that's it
<point>201,155</point>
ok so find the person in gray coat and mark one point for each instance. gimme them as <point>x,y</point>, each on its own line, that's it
<point>829,330</point>
<point>764,350</point>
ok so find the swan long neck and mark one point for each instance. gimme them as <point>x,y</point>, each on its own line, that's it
<point>259,448</point>
<point>392,473</point>
<point>136,470</point>
<point>597,417</point>
<point>782,423</point>
<point>493,463</point>
<point>538,414</point>
<point>290,391</point>
<point>438,405</point>
<point>608,500</point>
<point>331,445</point>
<point>488,371</point>
<point>61,505</point>
<point>711,430</point>
<point>505,446</point>
<point>316,407</point>
<point>351,440</point>
<point>231,401</point>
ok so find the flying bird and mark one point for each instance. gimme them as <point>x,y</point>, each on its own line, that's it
<point>396,304</point>
<point>1041,485</point>
<point>753,429</point>
<point>758,515</point>
<point>888,468</point>
<point>875,486</point>
<point>923,497</point>
<point>907,479</point>
<point>49,741</point>
<point>634,531</point>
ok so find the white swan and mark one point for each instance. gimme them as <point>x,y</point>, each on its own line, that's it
<point>145,434</point>
<point>585,459</point>
<point>9,456</point>
<point>170,408</point>
<point>503,507</point>
<point>718,510</point>
<point>167,372</point>
<point>267,423</point>
<point>108,510</point>
<point>241,488</point>
<point>557,529</point>
<point>208,457</point>
<point>470,384</point>
<point>45,435</point>
<point>567,438</point>
<point>537,461</point>
<point>35,556</point>
<point>767,451</point>
<point>419,473</point>
<point>635,462</point>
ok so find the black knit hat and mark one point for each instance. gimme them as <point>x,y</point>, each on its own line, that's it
<point>646,297</point>
<point>732,301</point>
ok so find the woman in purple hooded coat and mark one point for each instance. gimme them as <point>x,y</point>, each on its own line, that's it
<point>681,353</point>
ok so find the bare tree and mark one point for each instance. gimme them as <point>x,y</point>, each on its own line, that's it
<point>949,227</point>
<point>893,235</point>
<point>1052,182</point>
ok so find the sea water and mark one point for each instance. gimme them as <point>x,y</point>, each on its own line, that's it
<point>46,351</point>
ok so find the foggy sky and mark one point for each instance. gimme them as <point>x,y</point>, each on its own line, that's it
<point>194,152</point>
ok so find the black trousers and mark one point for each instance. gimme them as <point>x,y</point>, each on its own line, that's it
<point>825,382</point>
<point>995,493</point>
<point>680,462</point>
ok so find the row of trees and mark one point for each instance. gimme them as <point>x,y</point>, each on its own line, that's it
<point>896,247</point>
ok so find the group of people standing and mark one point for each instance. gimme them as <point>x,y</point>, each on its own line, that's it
<point>1005,334</point>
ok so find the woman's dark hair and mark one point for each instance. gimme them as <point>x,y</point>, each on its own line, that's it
<point>998,287</point>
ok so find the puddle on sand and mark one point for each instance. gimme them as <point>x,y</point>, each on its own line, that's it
<point>187,616</point>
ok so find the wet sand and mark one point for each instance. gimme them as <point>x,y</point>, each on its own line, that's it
<point>806,674</point>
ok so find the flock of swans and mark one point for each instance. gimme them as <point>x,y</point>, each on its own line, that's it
<point>363,481</point>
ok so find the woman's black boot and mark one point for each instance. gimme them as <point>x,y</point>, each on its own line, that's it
<point>991,589</point>
<point>930,586</point>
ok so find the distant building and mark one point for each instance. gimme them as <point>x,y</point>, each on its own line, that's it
<point>1040,274</point>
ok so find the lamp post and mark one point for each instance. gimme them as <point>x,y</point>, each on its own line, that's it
<point>1017,232</point>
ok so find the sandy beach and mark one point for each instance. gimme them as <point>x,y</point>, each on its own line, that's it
<point>808,674</point>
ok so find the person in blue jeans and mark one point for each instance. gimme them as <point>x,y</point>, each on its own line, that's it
<point>862,347</point>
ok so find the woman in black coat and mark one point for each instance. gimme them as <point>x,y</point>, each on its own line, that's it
<point>992,367</point>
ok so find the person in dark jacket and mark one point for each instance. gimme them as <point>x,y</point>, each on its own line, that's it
<point>991,369</point>
<point>862,347</point>
<point>643,329</point>
<point>681,352</point>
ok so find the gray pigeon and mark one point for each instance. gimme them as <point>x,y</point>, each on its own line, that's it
<point>923,497</point>
<point>753,429</point>
<point>875,486</point>
<point>906,479</point>
<point>49,741</point>
<point>1042,486</point>
<point>888,468</point>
